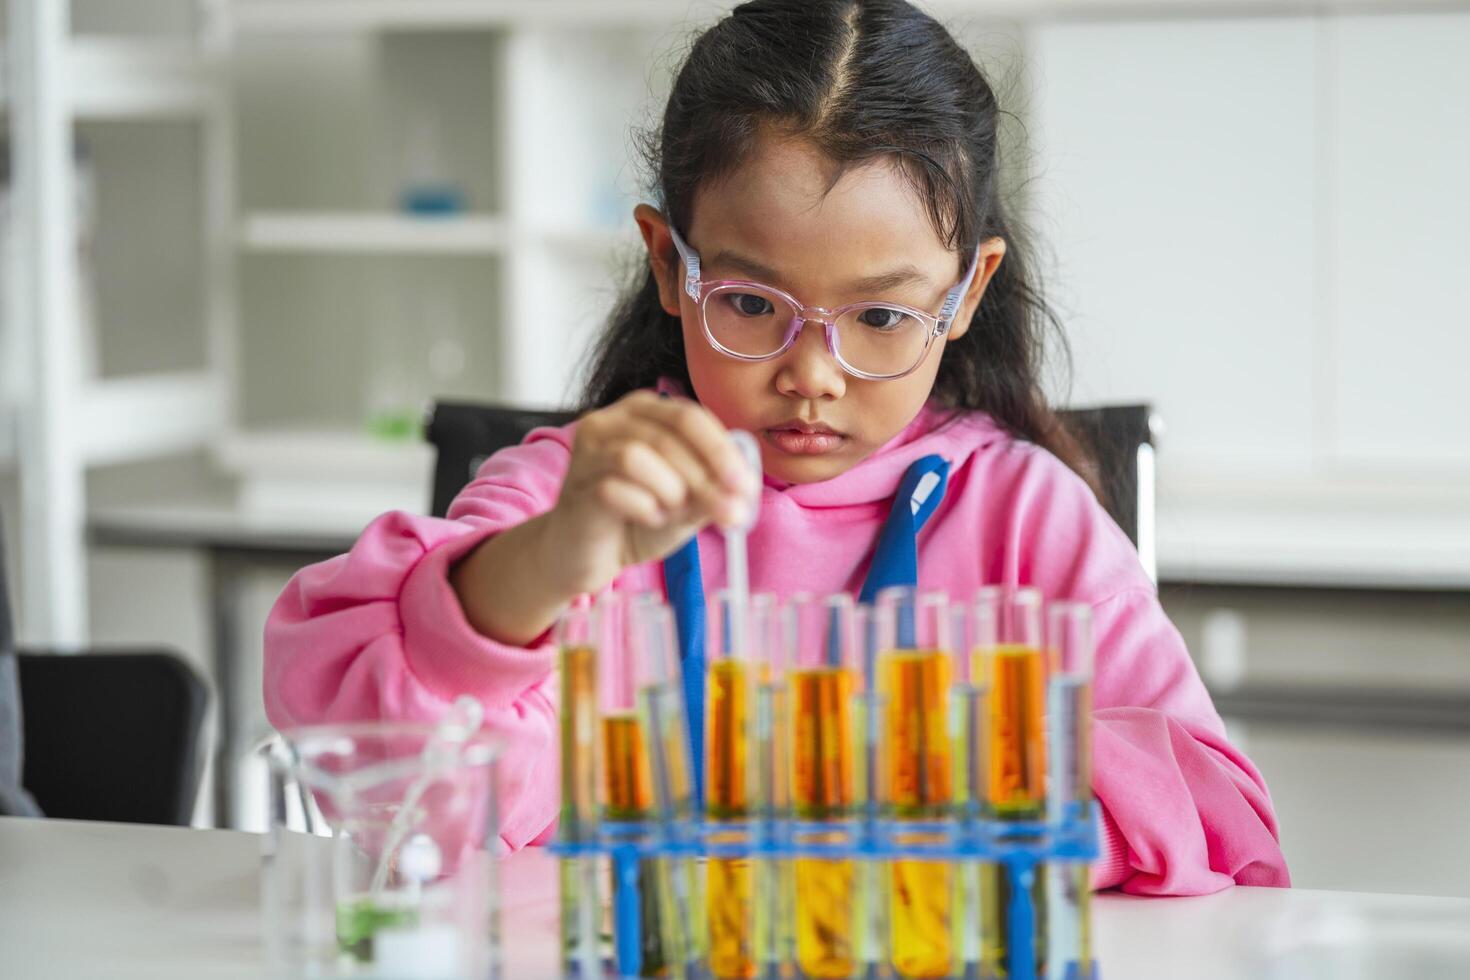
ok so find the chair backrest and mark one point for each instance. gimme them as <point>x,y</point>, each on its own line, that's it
<point>7,634</point>
<point>14,801</point>
<point>464,434</point>
<point>112,736</point>
<point>1120,438</point>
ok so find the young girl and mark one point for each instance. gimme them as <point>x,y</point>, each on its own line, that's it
<point>831,269</point>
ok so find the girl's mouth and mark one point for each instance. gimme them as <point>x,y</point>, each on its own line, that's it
<point>801,438</point>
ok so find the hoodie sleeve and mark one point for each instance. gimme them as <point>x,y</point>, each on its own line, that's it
<point>1184,811</point>
<point>378,633</point>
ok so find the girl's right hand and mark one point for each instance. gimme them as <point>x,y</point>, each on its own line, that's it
<point>646,474</point>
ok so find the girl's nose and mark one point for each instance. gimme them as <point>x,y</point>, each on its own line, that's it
<point>808,369</point>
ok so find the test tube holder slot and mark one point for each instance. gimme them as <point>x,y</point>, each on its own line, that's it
<point>1021,848</point>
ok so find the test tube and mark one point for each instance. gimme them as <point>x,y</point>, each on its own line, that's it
<point>644,779</point>
<point>578,639</point>
<point>822,658</point>
<point>914,671</point>
<point>871,770</point>
<point>658,677</point>
<point>1069,798</point>
<point>775,889</point>
<point>738,630</point>
<point>970,706</point>
<point>1008,654</point>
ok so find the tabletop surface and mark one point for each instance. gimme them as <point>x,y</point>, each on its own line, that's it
<point>111,900</point>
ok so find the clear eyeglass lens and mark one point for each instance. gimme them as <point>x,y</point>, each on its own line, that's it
<point>748,320</point>
<point>881,340</point>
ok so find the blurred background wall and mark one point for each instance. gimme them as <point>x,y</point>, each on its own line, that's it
<point>297,222</point>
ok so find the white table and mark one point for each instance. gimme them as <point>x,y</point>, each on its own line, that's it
<point>85,900</point>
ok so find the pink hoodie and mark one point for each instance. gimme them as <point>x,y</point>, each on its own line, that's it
<point>379,633</point>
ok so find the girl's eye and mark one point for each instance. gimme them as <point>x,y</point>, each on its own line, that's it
<point>751,304</point>
<point>880,318</point>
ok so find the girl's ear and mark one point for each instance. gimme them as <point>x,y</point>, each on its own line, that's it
<point>663,258</point>
<point>992,250</point>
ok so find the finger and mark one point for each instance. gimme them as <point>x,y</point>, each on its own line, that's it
<point>631,502</point>
<point>617,441</point>
<point>638,462</point>
<point>705,436</point>
<point>706,497</point>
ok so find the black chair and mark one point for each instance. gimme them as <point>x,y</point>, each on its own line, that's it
<point>112,736</point>
<point>1120,438</point>
<point>109,736</point>
<point>464,434</point>
<point>14,800</point>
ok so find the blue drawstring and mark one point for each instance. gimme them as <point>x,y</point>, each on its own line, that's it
<point>685,588</point>
<point>896,556</point>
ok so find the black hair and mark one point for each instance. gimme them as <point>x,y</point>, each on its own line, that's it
<point>861,80</point>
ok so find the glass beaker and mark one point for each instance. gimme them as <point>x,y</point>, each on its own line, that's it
<point>379,860</point>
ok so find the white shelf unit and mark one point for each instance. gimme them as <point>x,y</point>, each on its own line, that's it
<point>130,418</point>
<point>347,233</point>
<point>570,189</point>
<point>395,309</point>
<point>289,16</point>
<point>337,16</point>
<point>122,78</point>
<point>70,414</point>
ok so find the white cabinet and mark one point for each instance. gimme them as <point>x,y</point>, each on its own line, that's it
<point>573,102</point>
<point>1177,190</point>
<point>1399,294</point>
<point>1258,225</point>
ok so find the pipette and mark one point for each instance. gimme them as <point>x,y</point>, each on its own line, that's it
<point>737,567</point>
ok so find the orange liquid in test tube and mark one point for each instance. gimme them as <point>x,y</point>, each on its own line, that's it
<point>627,783</point>
<point>1016,784</point>
<point>915,685</point>
<point>822,788</point>
<point>729,882</point>
<point>628,796</point>
<point>729,754</point>
<point>581,907</point>
<point>821,724</point>
<point>1017,735</point>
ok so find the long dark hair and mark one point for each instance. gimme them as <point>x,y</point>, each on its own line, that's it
<point>861,79</point>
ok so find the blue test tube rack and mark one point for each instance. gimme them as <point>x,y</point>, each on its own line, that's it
<point>1019,847</point>
<point>965,837</point>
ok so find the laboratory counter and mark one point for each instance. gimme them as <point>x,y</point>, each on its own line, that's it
<point>111,900</point>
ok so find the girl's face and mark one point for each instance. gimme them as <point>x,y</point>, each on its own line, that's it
<point>780,221</point>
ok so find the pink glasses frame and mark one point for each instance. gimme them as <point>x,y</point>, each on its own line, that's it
<point>700,290</point>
